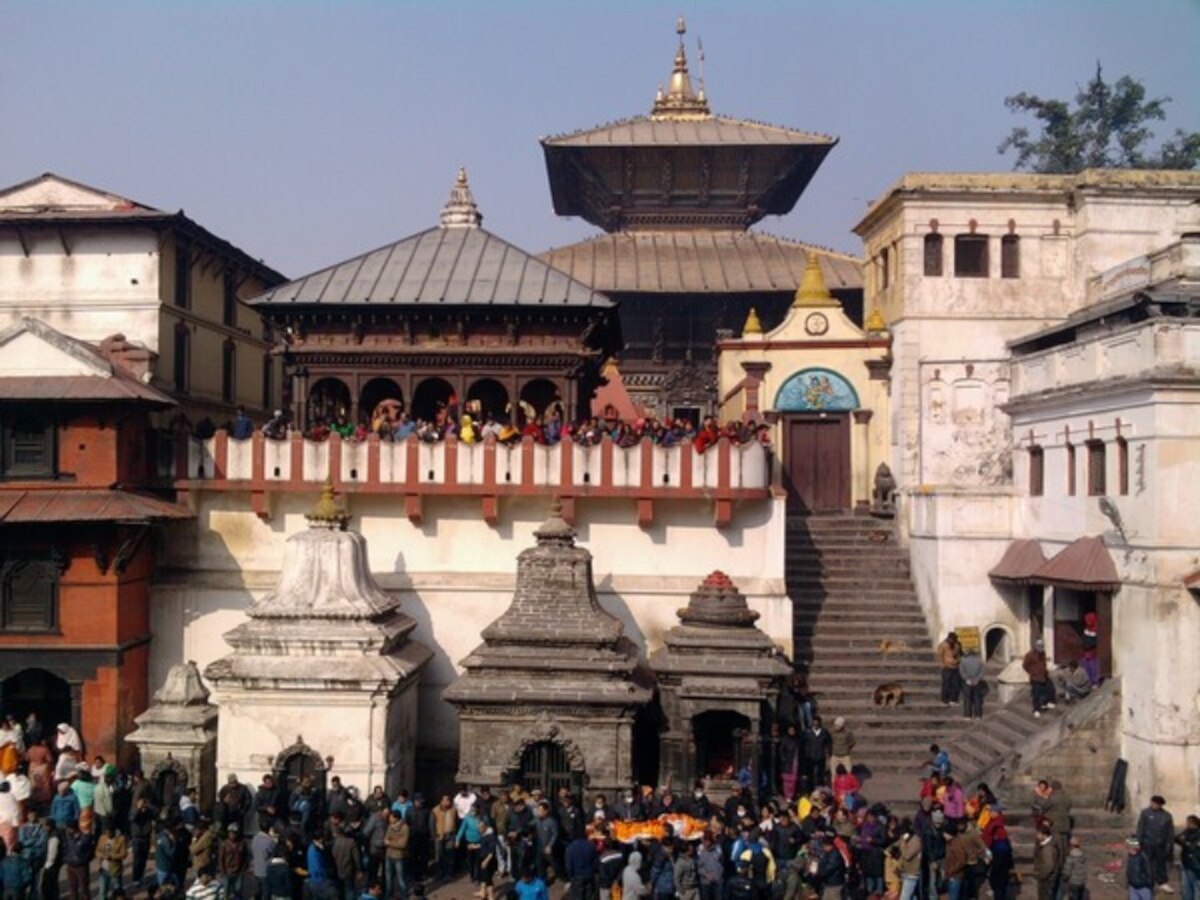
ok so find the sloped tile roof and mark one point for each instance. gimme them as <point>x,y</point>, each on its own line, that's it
<point>1020,561</point>
<point>1084,565</point>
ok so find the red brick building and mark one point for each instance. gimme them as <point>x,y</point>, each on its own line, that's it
<point>77,530</point>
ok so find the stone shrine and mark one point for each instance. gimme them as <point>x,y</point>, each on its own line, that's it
<point>177,736</point>
<point>718,677</point>
<point>549,698</point>
<point>326,655</point>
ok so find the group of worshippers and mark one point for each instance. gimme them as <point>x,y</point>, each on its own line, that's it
<point>392,422</point>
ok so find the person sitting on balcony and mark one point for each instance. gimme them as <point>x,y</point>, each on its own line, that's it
<point>533,429</point>
<point>466,431</point>
<point>509,433</point>
<point>318,431</point>
<point>491,429</point>
<point>427,432</point>
<point>341,425</point>
<point>276,427</point>
<point>243,425</point>
<point>404,428</point>
<point>707,436</point>
<point>553,427</point>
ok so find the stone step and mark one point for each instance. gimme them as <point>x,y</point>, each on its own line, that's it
<point>862,583</point>
<point>863,648</point>
<point>836,602</point>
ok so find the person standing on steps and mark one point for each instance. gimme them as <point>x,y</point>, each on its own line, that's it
<point>970,671</point>
<point>817,747</point>
<point>1047,863</point>
<point>1156,834</point>
<point>842,743</point>
<point>1041,689</point>
<point>950,654</point>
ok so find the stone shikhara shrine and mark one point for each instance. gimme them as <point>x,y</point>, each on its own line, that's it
<point>719,678</point>
<point>555,671</point>
<point>326,654</point>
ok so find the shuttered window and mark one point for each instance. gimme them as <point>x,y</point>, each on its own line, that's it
<point>26,448</point>
<point>971,256</point>
<point>934,255</point>
<point>29,595</point>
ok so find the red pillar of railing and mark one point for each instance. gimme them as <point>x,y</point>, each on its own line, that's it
<point>373,451</point>
<point>335,458</point>
<point>296,473</point>
<point>221,455</point>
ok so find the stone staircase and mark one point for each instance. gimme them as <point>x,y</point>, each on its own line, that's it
<point>851,591</point>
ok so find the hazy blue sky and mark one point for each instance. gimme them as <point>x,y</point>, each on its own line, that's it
<point>307,132</point>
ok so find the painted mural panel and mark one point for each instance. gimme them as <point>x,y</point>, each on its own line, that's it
<point>816,390</point>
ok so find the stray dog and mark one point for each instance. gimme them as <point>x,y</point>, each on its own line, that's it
<point>890,693</point>
<point>887,646</point>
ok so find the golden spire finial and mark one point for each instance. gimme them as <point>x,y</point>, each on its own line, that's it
<point>680,101</point>
<point>753,324</point>
<point>875,324</point>
<point>812,290</point>
<point>327,513</point>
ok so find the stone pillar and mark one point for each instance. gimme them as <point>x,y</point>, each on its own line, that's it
<point>860,460</point>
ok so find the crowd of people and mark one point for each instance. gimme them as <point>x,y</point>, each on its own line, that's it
<point>391,422</point>
<point>808,831</point>
<point>962,670</point>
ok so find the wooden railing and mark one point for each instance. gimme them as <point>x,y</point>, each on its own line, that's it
<point>724,474</point>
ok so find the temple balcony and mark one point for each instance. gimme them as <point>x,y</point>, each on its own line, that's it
<point>721,476</point>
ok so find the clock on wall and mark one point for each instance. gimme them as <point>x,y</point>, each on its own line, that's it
<point>816,323</point>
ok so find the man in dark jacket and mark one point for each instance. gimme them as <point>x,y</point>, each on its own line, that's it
<point>346,862</point>
<point>1189,858</point>
<point>1041,689</point>
<point>231,862</point>
<point>77,851</point>
<point>831,870</point>
<point>582,863</point>
<point>266,803</point>
<point>818,745</point>
<point>1156,834</point>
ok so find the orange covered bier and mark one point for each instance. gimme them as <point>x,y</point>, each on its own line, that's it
<point>681,826</point>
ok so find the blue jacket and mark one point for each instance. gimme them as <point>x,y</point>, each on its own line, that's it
<point>531,890</point>
<point>582,860</point>
<point>318,865</point>
<point>469,829</point>
<point>64,808</point>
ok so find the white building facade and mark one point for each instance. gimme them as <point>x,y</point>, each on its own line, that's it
<point>968,270</point>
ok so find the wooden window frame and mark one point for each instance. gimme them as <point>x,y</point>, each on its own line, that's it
<point>1010,256</point>
<point>182,373</point>
<point>9,468</point>
<point>1097,460</point>
<point>962,241</point>
<point>229,299</point>
<point>934,255</point>
<point>1122,467</point>
<point>229,371</point>
<point>13,568</point>
<point>1037,471</point>
<point>183,273</point>
<point>1071,468</point>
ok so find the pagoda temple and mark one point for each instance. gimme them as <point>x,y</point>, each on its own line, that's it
<point>450,314</point>
<point>676,192</point>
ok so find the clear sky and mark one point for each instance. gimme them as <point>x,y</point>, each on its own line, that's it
<point>307,132</point>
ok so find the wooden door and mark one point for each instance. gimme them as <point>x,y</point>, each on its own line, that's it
<point>817,474</point>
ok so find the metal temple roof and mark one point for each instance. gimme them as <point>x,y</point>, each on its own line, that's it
<point>440,266</point>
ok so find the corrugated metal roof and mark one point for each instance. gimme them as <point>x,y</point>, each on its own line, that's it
<point>28,507</point>
<point>1084,564</point>
<point>69,388</point>
<point>449,266</point>
<point>646,131</point>
<point>1020,561</point>
<point>698,262</point>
